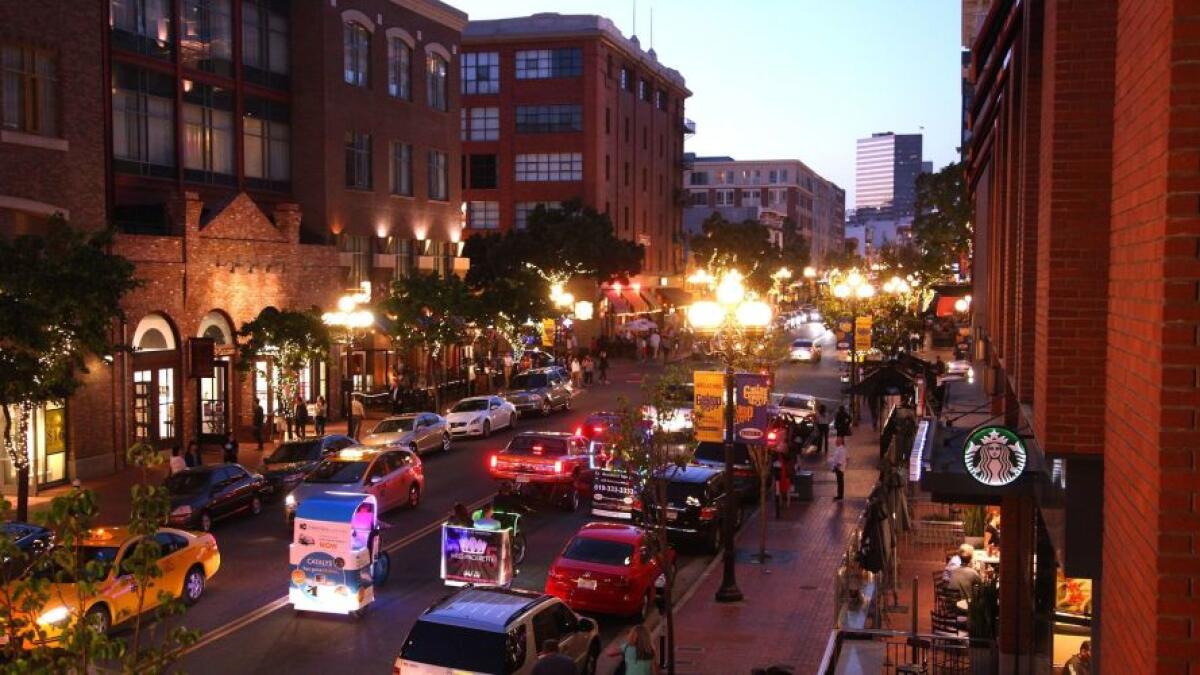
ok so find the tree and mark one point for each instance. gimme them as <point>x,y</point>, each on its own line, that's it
<point>293,339</point>
<point>744,246</point>
<point>432,313</point>
<point>60,294</point>
<point>942,230</point>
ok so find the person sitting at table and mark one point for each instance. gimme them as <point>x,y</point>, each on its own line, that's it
<point>1081,663</point>
<point>487,519</point>
<point>991,531</point>
<point>963,578</point>
<point>965,554</point>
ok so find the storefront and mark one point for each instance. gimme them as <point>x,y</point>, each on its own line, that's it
<point>44,438</point>
<point>155,375</point>
<point>215,405</point>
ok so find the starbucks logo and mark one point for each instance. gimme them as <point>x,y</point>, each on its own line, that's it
<point>994,456</point>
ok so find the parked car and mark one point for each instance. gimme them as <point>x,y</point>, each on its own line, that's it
<point>496,630</point>
<point>608,568</point>
<point>31,539</point>
<point>695,508</point>
<point>601,429</point>
<point>745,480</point>
<point>541,390</point>
<point>394,477</point>
<point>682,399</point>
<point>797,405</point>
<point>292,461</point>
<point>805,349</point>
<point>480,416</point>
<point>548,463</point>
<point>538,358</point>
<point>202,495</point>
<point>419,432</point>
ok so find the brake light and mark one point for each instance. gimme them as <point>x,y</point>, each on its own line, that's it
<point>537,449</point>
<point>772,436</point>
<point>708,513</point>
<point>578,431</point>
<point>558,466</point>
<point>492,461</point>
<point>598,430</point>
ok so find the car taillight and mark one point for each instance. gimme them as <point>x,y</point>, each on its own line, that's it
<point>558,466</point>
<point>578,431</point>
<point>772,436</point>
<point>708,513</point>
<point>492,461</point>
<point>743,472</point>
<point>598,430</point>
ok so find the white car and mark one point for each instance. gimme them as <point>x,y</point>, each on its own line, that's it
<point>805,349</point>
<point>802,405</point>
<point>480,416</point>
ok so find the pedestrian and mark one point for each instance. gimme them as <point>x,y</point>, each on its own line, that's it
<point>939,366</point>
<point>636,652</point>
<point>655,343</point>
<point>259,422</point>
<point>603,367</point>
<point>552,662</point>
<point>191,457</point>
<point>1081,663</point>
<point>822,428</point>
<point>641,348</point>
<point>178,463</point>
<point>229,453</point>
<point>875,406</point>
<point>589,369</point>
<point>576,372</point>
<point>460,517</point>
<point>667,347</point>
<point>508,367</point>
<point>300,408</point>
<point>322,414</point>
<point>394,395</point>
<point>357,412</point>
<point>837,464</point>
<point>841,423</point>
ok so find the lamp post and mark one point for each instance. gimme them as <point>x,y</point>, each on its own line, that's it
<point>852,289</point>
<point>563,302</point>
<point>348,319</point>
<point>810,276</point>
<point>726,322</point>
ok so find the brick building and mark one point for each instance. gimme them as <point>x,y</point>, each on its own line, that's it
<point>557,107</point>
<point>240,151</point>
<point>1083,172</point>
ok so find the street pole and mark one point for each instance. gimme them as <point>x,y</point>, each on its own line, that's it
<point>729,591</point>
<point>853,359</point>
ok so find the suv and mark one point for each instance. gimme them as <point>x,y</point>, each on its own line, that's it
<point>745,481</point>
<point>540,390</point>
<point>496,630</point>
<point>695,504</point>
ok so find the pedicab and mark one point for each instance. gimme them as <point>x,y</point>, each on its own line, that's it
<point>336,554</point>
<point>480,556</point>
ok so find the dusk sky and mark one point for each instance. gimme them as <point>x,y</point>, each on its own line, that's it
<point>779,79</point>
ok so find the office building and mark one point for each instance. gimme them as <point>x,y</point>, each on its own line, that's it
<point>885,176</point>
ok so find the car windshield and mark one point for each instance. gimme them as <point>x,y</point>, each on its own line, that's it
<point>529,381</point>
<point>338,471</point>
<point>537,445</point>
<point>103,557</point>
<point>685,494</point>
<point>802,344</point>
<point>298,451</point>
<point>715,452</point>
<point>599,551</point>
<point>188,482</point>
<point>395,425</point>
<point>470,405</point>
<point>457,648</point>
<point>797,402</point>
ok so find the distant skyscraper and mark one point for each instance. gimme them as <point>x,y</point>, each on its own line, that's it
<point>886,174</point>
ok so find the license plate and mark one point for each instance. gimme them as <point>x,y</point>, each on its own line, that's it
<point>586,584</point>
<point>522,479</point>
<point>671,515</point>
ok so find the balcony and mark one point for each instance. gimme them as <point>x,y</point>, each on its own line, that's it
<point>384,261</point>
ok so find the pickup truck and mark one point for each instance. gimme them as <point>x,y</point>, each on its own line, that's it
<point>545,464</point>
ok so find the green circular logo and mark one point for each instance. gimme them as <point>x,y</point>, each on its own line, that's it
<point>994,456</point>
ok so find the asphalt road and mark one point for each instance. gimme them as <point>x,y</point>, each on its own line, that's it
<point>248,627</point>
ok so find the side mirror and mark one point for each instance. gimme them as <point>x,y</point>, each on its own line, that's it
<point>375,480</point>
<point>585,625</point>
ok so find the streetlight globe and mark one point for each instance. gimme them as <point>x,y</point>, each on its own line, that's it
<point>960,305</point>
<point>841,291</point>
<point>783,273</point>
<point>556,292</point>
<point>731,291</point>
<point>865,291</point>
<point>753,314</point>
<point>889,287</point>
<point>705,315</point>
<point>854,279</point>
<point>566,299</point>
<point>362,319</point>
<point>345,303</point>
<point>810,272</point>
<point>584,310</point>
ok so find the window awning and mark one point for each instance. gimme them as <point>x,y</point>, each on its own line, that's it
<point>617,302</point>
<point>945,306</point>
<point>636,302</point>
<point>674,297</point>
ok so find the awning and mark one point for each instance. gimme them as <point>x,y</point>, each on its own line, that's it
<point>652,303</point>
<point>636,302</point>
<point>617,301</point>
<point>674,297</point>
<point>945,306</point>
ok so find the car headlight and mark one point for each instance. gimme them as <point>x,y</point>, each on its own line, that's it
<point>290,501</point>
<point>184,510</point>
<point>54,617</point>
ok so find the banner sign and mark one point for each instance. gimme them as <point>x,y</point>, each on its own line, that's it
<point>708,414</point>
<point>547,332</point>
<point>862,333</point>
<point>752,396</point>
<point>474,556</point>
<point>995,456</point>
<point>842,332</point>
<point>614,493</point>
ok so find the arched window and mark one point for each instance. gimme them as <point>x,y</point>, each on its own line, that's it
<point>400,46</point>
<point>356,45</point>
<point>436,73</point>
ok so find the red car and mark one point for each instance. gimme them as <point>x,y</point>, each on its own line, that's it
<point>608,568</point>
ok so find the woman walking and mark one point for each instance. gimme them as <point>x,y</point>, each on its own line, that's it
<point>637,652</point>
<point>841,423</point>
<point>322,414</point>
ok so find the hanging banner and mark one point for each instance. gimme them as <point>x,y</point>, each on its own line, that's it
<point>547,332</point>
<point>842,331</point>
<point>752,396</point>
<point>862,333</point>
<point>708,416</point>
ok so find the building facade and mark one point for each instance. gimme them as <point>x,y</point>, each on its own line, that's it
<point>1085,312</point>
<point>559,107</point>
<point>786,194</point>
<point>885,176</point>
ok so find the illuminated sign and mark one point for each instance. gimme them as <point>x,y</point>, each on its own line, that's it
<point>995,456</point>
<point>707,413</point>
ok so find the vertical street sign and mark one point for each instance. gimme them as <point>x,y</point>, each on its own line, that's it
<point>751,396</point>
<point>708,420</point>
<point>862,333</point>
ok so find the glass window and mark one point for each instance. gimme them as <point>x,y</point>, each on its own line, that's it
<point>358,160</point>
<point>536,64</point>
<point>435,80</point>
<point>644,90</point>
<point>28,91</point>
<point>402,169</point>
<point>724,197</point>
<point>625,79</point>
<point>266,144</point>
<point>660,99</point>
<point>265,28</point>
<point>525,209</point>
<point>399,69</point>
<point>142,26</point>
<point>439,175</point>
<point>562,166</point>
<point>540,119</point>
<point>207,133</point>
<point>206,35</point>
<point>480,73</point>
<point>698,198</point>
<point>483,215</point>
<point>480,124</point>
<point>698,178</point>
<point>484,172</point>
<point>356,53</point>
<point>166,403</point>
<point>143,121</point>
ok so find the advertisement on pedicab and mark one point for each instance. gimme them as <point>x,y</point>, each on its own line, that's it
<point>614,494</point>
<point>475,556</point>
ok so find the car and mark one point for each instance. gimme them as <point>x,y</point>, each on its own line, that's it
<point>805,349</point>
<point>496,630</point>
<point>745,479</point>
<point>681,397</point>
<point>695,508</point>
<point>546,462</point>
<point>537,357</point>
<point>601,429</point>
<point>394,477</point>
<point>419,432</point>
<point>32,540</point>
<point>539,390</point>
<point>187,561</point>
<point>796,405</point>
<point>608,568</point>
<point>480,416</point>
<point>291,461</point>
<point>202,495</point>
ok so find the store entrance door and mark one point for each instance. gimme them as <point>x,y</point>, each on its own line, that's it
<point>213,402</point>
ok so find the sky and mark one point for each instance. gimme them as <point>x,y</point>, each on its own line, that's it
<point>796,79</point>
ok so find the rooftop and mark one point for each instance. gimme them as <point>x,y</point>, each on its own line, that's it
<point>488,609</point>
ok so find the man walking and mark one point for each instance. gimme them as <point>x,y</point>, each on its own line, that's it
<point>837,464</point>
<point>655,343</point>
<point>357,412</point>
<point>603,367</point>
<point>822,428</point>
<point>259,421</point>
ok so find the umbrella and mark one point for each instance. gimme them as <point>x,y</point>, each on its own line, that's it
<point>641,325</point>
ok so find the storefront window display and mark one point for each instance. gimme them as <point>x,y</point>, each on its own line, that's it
<point>44,439</point>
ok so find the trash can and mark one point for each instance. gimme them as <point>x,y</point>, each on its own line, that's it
<point>804,486</point>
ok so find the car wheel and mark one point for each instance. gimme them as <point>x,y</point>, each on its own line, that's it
<point>512,421</point>
<point>545,407</point>
<point>714,539</point>
<point>193,585</point>
<point>571,500</point>
<point>205,522</point>
<point>99,619</point>
<point>445,442</point>
<point>487,428</point>
<point>589,666</point>
<point>255,505</point>
<point>414,496</point>
<point>567,403</point>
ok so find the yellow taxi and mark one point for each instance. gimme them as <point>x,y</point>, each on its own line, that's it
<point>187,561</point>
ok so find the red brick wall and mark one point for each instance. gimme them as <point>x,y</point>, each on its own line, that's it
<point>1027,188</point>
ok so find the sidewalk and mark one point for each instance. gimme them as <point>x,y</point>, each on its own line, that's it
<point>788,610</point>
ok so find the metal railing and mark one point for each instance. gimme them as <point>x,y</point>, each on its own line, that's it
<point>890,652</point>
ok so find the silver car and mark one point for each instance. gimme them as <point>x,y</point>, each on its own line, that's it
<point>419,432</point>
<point>540,390</point>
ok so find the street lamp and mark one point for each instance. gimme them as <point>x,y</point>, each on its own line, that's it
<point>854,288</point>
<point>564,302</point>
<point>348,319</point>
<point>725,322</point>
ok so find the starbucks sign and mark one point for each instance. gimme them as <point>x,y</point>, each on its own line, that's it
<point>995,456</point>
